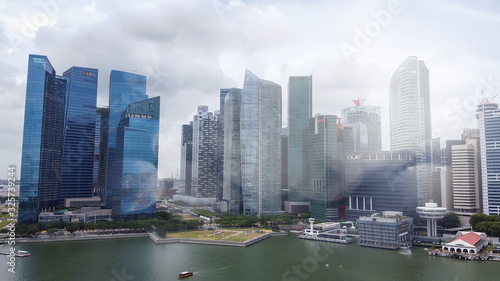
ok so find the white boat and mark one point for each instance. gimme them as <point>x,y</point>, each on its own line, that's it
<point>21,253</point>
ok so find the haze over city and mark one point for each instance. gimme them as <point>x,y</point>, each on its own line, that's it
<point>190,49</point>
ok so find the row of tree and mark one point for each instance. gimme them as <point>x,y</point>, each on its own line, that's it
<point>162,223</point>
<point>484,223</point>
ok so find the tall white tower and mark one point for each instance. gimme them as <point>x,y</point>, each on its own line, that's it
<point>410,118</point>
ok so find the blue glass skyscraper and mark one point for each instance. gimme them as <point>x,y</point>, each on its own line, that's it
<point>260,138</point>
<point>42,139</point>
<point>78,151</point>
<point>136,160</point>
<point>124,89</point>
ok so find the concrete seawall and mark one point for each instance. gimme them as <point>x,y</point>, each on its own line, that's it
<point>252,241</point>
<point>79,238</point>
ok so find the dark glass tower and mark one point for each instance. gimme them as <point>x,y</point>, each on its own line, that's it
<point>187,156</point>
<point>136,160</point>
<point>79,138</point>
<point>101,152</point>
<point>124,89</point>
<point>299,114</point>
<point>232,195</point>
<point>42,139</point>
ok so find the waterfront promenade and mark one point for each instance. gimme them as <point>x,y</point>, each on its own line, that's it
<point>154,237</point>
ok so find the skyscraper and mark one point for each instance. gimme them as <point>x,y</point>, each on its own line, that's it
<point>78,152</point>
<point>410,118</point>
<point>220,143</point>
<point>124,89</point>
<point>232,195</point>
<point>260,135</point>
<point>43,138</point>
<point>204,168</point>
<point>101,152</point>
<point>324,186</point>
<point>136,160</point>
<point>488,116</point>
<point>465,168</point>
<point>368,115</point>
<point>187,156</point>
<point>299,113</point>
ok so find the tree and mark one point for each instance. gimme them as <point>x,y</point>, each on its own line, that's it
<point>475,219</point>
<point>450,220</point>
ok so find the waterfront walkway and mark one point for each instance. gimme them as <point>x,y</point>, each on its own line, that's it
<point>325,239</point>
<point>246,243</point>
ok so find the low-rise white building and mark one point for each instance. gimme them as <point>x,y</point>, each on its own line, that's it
<point>467,242</point>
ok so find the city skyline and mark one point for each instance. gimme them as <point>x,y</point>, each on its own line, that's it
<point>279,46</point>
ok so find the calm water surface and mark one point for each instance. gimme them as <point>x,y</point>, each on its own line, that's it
<point>284,258</point>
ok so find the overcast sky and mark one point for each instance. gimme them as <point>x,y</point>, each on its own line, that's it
<point>190,49</point>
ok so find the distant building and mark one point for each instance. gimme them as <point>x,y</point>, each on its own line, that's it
<point>101,152</point>
<point>260,136</point>
<point>409,106</point>
<point>325,187</point>
<point>488,116</point>
<point>466,177</point>
<point>369,115</point>
<point>204,178</point>
<point>299,113</point>
<point>432,213</point>
<point>77,169</point>
<point>467,242</point>
<point>232,192</point>
<point>43,139</point>
<point>136,160</point>
<point>187,156</point>
<point>389,230</point>
<point>124,88</point>
<point>382,181</point>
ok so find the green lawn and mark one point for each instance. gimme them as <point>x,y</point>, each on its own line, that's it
<point>238,235</point>
<point>4,222</point>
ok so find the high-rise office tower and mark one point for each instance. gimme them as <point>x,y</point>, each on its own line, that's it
<point>187,156</point>
<point>124,89</point>
<point>136,160</point>
<point>43,138</point>
<point>488,116</point>
<point>299,113</point>
<point>465,167</point>
<point>368,115</point>
<point>77,170</point>
<point>204,168</point>
<point>410,118</point>
<point>260,135</point>
<point>324,174</point>
<point>232,196</point>
<point>380,181</point>
<point>101,152</point>
<point>220,142</point>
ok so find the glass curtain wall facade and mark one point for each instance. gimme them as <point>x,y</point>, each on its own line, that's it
<point>232,196</point>
<point>43,137</point>
<point>136,160</point>
<point>488,117</point>
<point>77,170</point>
<point>187,156</point>
<point>220,143</point>
<point>383,181</point>
<point>410,128</point>
<point>324,186</point>
<point>124,89</point>
<point>370,116</point>
<point>100,152</point>
<point>260,135</point>
<point>299,114</point>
